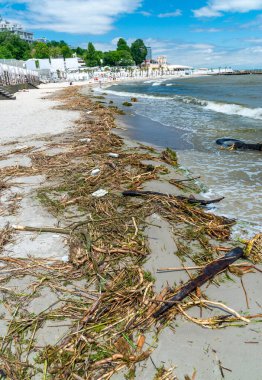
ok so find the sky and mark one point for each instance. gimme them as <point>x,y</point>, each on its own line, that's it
<point>199,33</point>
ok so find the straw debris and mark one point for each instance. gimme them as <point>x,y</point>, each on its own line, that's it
<point>103,289</point>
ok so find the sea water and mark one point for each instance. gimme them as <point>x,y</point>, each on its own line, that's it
<point>205,109</point>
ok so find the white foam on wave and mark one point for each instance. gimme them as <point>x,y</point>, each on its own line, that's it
<point>235,109</point>
<point>225,108</point>
<point>134,94</point>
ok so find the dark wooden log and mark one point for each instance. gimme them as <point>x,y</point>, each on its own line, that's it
<point>204,202</point>
<point>209,272</point>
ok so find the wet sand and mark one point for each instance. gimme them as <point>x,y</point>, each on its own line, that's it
<point>145,130</point>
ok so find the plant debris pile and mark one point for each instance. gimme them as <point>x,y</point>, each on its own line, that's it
<point>103,290</point>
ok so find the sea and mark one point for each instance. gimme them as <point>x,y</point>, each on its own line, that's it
<point>189,114</point>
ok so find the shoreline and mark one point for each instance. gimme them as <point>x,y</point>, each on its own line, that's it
<point>145,129</point>
<point>147,229</point>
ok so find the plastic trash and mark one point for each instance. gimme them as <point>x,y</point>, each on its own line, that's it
<point>88,112</point>
<point>85,140</point>
<point>100,193</point>
<point>22,147</point>
<point>95,171</point>
<point>113,155</point>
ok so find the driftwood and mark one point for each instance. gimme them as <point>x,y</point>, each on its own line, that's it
<point>210,271</point>
<point>186,180</point>
<point>42,229</point>
<point>204,202</point>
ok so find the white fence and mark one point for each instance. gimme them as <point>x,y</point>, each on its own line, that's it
<point>10,75</point>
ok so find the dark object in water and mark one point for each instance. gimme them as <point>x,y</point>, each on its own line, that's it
<point>210,271</point>
<point>203,202</point>
<point>237,144</point>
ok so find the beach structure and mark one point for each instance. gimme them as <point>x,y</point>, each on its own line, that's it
<point>56,68</point>
<point>13,75</point>
<point>7,26</point>
<point>216,71</point>
<point>13,62</point>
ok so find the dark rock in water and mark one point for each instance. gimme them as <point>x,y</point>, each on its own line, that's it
<point>127,104</point>
<point>134,100</point>
<point>237,144</point>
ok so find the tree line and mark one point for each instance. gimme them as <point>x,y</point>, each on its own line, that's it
<point>13,47</point>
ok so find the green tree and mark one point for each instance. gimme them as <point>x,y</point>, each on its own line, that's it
<point>138,51</point>
<point>118,58</point>
<point>5,53</point>
<point>55,51</point>
<point>79,51</point>
<point>15,47</point>
<point>92,56</point>
<point>53,43</point>
<point>66,51</point>
<point>125,58</point>
<point>40,50</point>
<point>122,45</point>
<point>110,58</point>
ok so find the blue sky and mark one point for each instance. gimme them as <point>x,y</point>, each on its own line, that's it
<point>207,33</point>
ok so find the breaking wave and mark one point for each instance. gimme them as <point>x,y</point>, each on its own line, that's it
<point>134,94</point>
<point>225,108</point>
<point>235,109</point>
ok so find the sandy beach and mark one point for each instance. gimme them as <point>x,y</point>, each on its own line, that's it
<point>63,287</point>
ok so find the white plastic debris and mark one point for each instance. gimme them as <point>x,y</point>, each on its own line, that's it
<point>88,112</point>
<point>100,193</point>
<point>64,259</point>
<point>21,147</point>
<point>85,140</point>
<point>95,171</point>
<point>113,155</point>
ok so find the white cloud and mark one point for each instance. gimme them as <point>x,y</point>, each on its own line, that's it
<point>146,14</point>
<point>207,55</point>
<point>218,7</point>
<point>73,16</point>
<point>177,13</point>
<point>207,30</point>
<point>206,12</point>
<point>254,24</point>
<point>107,46</point>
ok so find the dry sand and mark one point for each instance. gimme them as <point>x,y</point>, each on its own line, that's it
<point>29,114</point>
<point>27,122</point>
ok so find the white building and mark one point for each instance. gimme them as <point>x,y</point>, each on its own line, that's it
<point>162,60</point>
<point>149,53</point>
<point>6,26</point>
